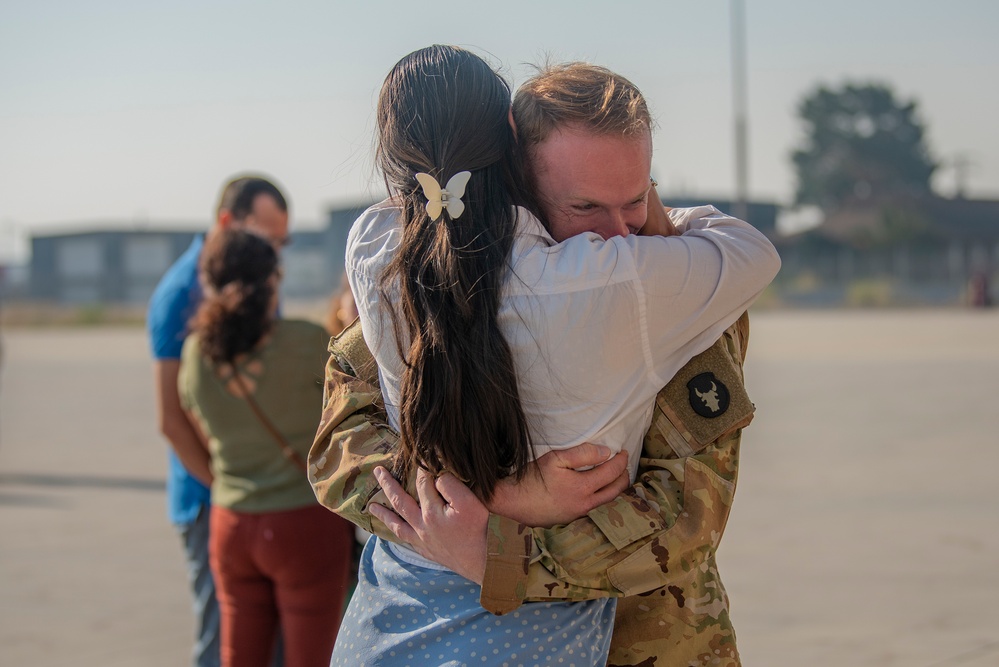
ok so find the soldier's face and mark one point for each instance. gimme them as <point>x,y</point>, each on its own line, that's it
<point>593,182</point>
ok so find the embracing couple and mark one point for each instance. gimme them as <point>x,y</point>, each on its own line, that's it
<point>541,420</point>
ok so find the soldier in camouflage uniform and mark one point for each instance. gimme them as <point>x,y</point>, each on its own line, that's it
<point>654,545</point>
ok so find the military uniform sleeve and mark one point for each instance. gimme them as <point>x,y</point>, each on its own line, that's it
<point>669,522</point>
<point>353,436</point>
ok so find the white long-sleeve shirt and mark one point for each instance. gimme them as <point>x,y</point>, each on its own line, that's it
<point>596,327</point>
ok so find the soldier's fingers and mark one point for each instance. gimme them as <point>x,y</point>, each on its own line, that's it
<point>430,499</point>
<point>394,522</point>
<point>403,503</point>
<point>581,456</point>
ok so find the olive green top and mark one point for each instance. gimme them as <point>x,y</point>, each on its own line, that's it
<point>285,376</point>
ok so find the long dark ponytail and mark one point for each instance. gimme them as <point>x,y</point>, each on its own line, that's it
<point>443,110</point>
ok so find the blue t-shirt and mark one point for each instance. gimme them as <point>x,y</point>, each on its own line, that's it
<point>173,303</point>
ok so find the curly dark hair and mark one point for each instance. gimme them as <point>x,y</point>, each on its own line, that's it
<point>235,269</point>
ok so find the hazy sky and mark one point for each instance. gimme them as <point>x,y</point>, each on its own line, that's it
<point>115,111</point>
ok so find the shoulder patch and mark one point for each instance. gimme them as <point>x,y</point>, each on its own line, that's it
<point>704,401</point>
<point>708,396</point>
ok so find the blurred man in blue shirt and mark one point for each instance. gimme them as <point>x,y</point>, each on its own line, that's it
<point>256,204</point>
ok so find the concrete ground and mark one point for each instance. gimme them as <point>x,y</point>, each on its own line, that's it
<point>866,530</point>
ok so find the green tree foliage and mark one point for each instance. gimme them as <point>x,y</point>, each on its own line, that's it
<point>861,143</point>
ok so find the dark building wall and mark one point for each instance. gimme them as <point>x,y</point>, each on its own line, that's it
<point>102,266</point>
<point>42,281</point>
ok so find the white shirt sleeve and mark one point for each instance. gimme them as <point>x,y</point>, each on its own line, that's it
<point>694,286</point>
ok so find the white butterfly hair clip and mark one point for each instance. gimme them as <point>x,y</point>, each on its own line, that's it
<point>448,197</point>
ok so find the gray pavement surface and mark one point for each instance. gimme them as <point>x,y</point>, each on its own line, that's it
<point>865,531</point>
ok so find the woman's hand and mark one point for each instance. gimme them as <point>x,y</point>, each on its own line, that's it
<point>447,526</point>
<point>657,222</point>
<point>554,491</point>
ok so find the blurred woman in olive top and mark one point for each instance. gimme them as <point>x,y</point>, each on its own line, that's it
<point>252,383</point>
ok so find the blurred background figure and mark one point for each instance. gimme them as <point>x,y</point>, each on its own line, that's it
<point>342,309</point>
<point>251,383</point>
<point>979,295</point>
<point>247,202</point>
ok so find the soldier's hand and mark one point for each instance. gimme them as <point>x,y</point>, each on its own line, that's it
<point>562,486</point>
<point>448,525</point>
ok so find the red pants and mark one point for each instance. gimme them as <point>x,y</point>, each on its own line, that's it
<point>288,567</point>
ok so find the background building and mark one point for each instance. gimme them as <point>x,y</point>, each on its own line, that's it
<point>123,266</point>
<point>923,250</point>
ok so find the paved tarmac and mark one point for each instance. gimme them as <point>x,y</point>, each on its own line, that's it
<point>865,531</point>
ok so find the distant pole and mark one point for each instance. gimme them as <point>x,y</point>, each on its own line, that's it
<point>962,166</point>
<point>737,15</point>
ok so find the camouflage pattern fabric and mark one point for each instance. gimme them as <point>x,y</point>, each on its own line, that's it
<point>654,546</point>
<point>353,439</point>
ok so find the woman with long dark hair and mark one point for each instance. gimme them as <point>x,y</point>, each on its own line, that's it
<point>456,283</point>
<point>250,382</point>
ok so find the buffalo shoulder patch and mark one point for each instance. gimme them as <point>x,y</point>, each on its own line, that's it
<point>705,400</point>
<point>708,395</point>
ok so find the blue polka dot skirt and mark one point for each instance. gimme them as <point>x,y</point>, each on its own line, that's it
<point>406,615</point>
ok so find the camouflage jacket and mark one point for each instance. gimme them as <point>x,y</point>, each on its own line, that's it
<point>653,546</point>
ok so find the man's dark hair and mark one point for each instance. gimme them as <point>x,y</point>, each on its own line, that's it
<point>239,193</point>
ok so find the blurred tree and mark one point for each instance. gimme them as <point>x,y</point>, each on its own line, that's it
<point>860,143</point>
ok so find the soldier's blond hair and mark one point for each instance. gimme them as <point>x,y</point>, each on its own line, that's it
<point>582,94</point>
